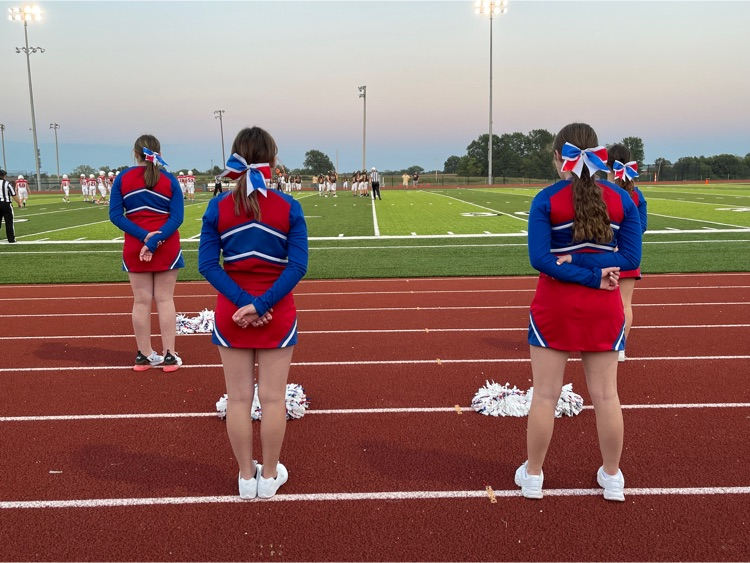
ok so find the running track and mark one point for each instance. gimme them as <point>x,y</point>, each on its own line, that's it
<point>101,463</point>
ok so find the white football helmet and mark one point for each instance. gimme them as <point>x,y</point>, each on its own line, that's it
<point>20,176</point>
<point>91,176</point>
<point>111,174</point>
<point>190,172</point>
<point>101,172</point>
<point>65,176</point>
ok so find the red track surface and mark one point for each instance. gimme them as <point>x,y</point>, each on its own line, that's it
<point>379,485</point>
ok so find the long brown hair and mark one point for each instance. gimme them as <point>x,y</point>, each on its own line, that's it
<point>152,174</point>
<point>621,153</point>
<point>255,145</point>
<point>591,220</point>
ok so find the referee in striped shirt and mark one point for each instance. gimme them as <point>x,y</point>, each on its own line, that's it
<point>7,192</point>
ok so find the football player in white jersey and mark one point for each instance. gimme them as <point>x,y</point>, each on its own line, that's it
<point>65,185</point>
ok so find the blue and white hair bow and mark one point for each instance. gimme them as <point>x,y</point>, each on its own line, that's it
<point>256,173</point>
<point>626,171</point>
<point>575,158</point>
<point>154,157</point>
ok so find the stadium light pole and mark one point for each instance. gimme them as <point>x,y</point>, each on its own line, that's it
<point>490,8</point>
<point>363,95</point>
<point>2,135</point>
<point>217,115</point>
<point>55,126</point>
<point>26,14</point>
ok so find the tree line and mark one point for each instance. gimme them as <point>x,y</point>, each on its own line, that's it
<point>519,155</point>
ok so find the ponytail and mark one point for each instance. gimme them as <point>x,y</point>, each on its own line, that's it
<point>152,173</point>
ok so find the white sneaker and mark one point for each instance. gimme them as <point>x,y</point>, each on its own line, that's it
<point>268,487</point>
<point>249,487</point>
<point>531,485</point>
<point>613,485</point>
<point>621,356</point>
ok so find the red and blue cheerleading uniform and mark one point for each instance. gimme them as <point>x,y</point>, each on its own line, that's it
<point>640,203</point>
<point>263,260</point>
<point>138,210</point>
<point>569,312</point>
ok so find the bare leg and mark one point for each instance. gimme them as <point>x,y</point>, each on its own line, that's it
<point>547,368</point>
<point>627,286</point>
<point>142,284</point>
<point>239,368</point>
<point>164,283</point>
<point>601,379</point>
<point>273,371</point>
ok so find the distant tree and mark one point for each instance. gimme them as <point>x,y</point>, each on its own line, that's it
<point>635,145</point>
<point>82,169</point>
<point>662,168</point>
<point>470,166</point>
<point>412,169</point>
<point>451,164</point>
<point>316,162</point>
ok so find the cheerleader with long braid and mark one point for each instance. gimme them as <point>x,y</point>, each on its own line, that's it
<point>582,232</point>
<point>253,250</point>
<point>623,172</point>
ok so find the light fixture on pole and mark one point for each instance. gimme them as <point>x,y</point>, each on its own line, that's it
<point>26,14</point>
<point>55,126</point>
<point>490,8</point>
<point>2,135</point>
<point>217,115</point>
<point>363,95</point>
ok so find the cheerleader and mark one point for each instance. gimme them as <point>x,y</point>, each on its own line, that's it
<point>147,205</point>
<point>65,185</point>
<point>22,187</point>
<point>582,232</point>
<point>260,237</point>
<point>623,172</point>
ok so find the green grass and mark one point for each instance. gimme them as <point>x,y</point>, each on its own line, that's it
<point>427,232</point>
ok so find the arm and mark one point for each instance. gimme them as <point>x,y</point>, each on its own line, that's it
<point>642,211</point>
<point>209,254</point>
<point>296,267</point>
<point>539,244</point>
<point>176,216</point>
<point>117,215</point>
<point>629,244</point>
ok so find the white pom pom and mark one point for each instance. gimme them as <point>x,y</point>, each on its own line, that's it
<point>203,323</point>
<point>221,407</point>
<point>500,400</point>
<point>296,403</point>
<point>569,404</point>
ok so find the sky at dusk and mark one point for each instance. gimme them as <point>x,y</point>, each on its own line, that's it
<point>673,73</point>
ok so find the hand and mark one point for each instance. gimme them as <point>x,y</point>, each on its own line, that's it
<point>145,254</point>
<point>565,258</point>
<point>610,279</point>
<point>248,316</point>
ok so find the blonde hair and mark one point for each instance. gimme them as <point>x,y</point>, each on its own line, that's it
<point>591,220</point>
<point>152,174</point>
<point>255,145</point>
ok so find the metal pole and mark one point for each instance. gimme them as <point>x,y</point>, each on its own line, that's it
<point>2,134</point>
<point>218,113</point>
<point>55,126</point>
<point>31,98</point>
<point>489,144</point>
<point>363,95</point>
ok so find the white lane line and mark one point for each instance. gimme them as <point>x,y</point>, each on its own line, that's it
<point>369,331</point>
<point>388,309</point>
<point>375,496</point>
<point>370,293</point>
<point>436,361</point>
<point>394,410</point>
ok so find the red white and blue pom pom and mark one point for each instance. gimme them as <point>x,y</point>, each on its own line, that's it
<point>296,403</point>
<point>204,322</point>
<point>569,403</point>
<point>500,400</point>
